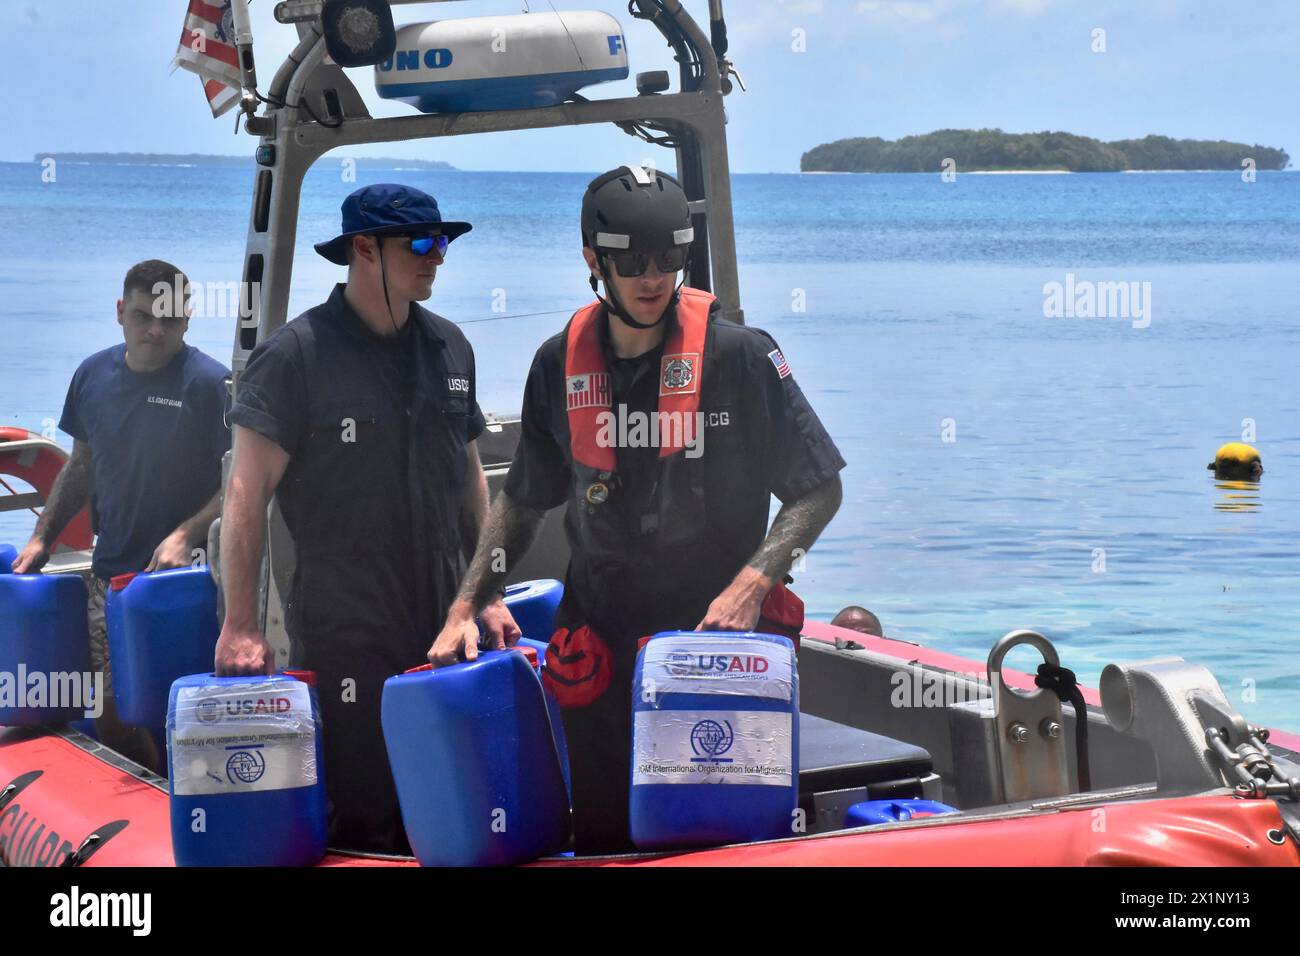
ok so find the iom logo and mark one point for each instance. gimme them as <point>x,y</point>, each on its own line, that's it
<point>245,766</point>
<point>710,740</point>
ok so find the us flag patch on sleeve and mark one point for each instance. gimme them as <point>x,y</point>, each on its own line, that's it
<point>782,366</point>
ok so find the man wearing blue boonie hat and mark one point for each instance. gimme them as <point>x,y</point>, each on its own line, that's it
<point>361,417</point>
<point>385,210</point>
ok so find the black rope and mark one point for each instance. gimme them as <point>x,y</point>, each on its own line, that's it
<point>678,40</point>
<point>1061,681</point>
<point>301,104</point>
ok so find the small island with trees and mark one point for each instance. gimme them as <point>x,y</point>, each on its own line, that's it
<point>992,150</point>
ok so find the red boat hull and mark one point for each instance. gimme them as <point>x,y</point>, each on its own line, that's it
<point>67,793</point>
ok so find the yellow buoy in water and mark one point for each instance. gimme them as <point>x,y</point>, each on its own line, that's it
<point>1236,461</point>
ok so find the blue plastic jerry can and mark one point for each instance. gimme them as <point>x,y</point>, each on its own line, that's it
<point>246,771</point>
<point>715,740</point>
<point>871,812</point>
<point>474,762</point>
<point>161,625</point>
<point>532,604</point>
<point>8,555</point>
<point>554,713</point>
<point>44,651</point>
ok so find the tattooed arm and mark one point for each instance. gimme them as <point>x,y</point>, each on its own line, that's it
<point>71,492</point>
<point>796,527</point>
<point>499,627</point>
<point>509,530</point>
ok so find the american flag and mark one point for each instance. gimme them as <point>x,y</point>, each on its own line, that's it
<point>207,49</point>
<point>220,97</point>
<point>782,366</point>
<point>588,391</point>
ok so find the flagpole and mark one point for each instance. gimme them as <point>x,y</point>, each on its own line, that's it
<point>244,45</point>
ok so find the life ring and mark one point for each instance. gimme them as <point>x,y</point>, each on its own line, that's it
<point>38,461</point>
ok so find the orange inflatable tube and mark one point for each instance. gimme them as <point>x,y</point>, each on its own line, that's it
<point>54,795</point>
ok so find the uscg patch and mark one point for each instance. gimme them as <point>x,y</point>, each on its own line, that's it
<point>679,376</point>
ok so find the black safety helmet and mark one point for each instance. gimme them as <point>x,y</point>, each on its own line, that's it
<point>635,209</point>
<point>630,215</point>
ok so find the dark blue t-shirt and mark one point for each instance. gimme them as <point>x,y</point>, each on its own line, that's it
<point>156,439</point>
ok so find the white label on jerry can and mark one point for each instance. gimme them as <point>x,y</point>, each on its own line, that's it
<point>243,739</point>
<point>718,665</point>
<point>732,747</point>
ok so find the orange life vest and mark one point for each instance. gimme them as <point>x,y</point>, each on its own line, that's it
<point>588,389</point>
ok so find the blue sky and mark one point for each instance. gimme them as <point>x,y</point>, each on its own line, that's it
<point>93,75</point>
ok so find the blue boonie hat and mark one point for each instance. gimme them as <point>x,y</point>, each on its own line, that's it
<point>387,208</point>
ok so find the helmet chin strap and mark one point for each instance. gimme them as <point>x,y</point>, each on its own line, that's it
<point>622,314</point>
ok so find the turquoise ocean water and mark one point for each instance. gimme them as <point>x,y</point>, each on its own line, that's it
<point>1006,469</point>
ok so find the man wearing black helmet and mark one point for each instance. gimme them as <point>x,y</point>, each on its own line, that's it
<point>666,430</point>
<point>360,416</point>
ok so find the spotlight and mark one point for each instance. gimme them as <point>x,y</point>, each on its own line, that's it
<point>358,32</point>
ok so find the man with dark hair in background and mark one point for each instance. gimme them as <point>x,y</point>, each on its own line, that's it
<point>147,422</point>
<point>857,618</point>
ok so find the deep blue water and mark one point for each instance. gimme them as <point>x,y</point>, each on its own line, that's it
<point>1075,439</point>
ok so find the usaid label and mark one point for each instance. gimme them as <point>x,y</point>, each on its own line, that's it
<point>717,666</point>
<point>731,747</point>
<point>243,738</point>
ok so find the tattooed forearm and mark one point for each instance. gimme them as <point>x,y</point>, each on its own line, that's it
<point>796,527</point>
<point>71,492</point>
<point>506,536</point>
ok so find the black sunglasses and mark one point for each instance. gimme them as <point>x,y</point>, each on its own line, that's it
<point>632,264</point>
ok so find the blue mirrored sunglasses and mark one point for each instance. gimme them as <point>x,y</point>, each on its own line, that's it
<point>423,245</point>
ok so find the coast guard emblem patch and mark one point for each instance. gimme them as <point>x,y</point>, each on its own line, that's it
<point>678,374</point>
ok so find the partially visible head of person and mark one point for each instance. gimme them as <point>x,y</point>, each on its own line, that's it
<point>858,619</point>
<point>1237,461</point>
<point>393,239</point>
<point>636,233</point>
<point>154,313</point>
